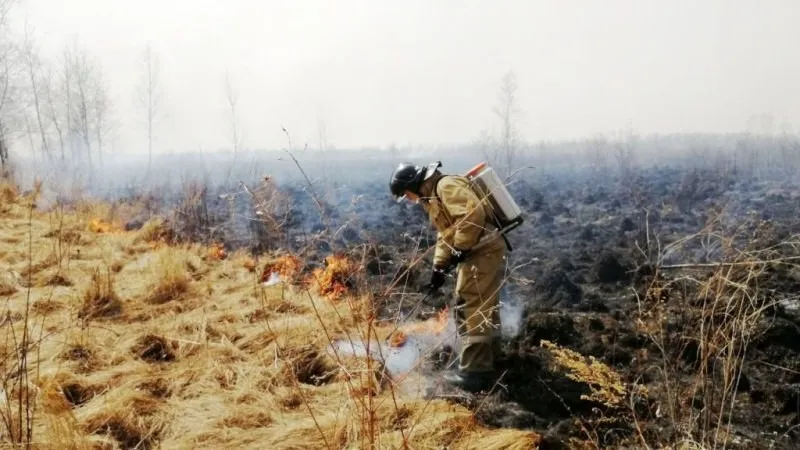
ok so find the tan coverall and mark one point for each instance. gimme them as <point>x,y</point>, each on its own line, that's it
<point>459,216</point>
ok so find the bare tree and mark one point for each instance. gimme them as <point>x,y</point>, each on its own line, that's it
<point>149,94</point>
<point>233,98</point>
<point>83,71</point>
<point>3,147</point>
<point>4,108</point>
<point>101,108</point>
<point>507,110</point>
<point>66,86</point>
<point>52,109</point>
<point>9,104</point>
<point>33,69</point>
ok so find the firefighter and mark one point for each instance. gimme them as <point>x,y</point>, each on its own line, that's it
<point>461,220</point>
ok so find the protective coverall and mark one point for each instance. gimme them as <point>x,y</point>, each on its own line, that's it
<point>460,218</point>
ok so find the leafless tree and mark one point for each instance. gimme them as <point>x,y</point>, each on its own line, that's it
<point>149,95</point>
<point>33,68</point>
<point>101,108</point>
<point>507,110</point>
<point>53,109</point>
<point>29,132</point>
<point>9,105</point>
<point>4,107</point>
<point>67,86</point>
<point>233,98</point>
<point>84,73</point>
<point>3,147</point>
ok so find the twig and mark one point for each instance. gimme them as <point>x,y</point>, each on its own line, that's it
<point>729,264</point>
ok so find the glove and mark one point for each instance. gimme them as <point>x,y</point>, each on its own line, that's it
<point>437,279</point>
<point>458,256</point>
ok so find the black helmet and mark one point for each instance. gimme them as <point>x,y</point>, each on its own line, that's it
<point>409,177</point>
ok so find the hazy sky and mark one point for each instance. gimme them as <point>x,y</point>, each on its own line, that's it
<point>426,72</point>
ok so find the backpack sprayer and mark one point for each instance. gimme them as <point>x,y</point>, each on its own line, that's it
<point>504,212</point>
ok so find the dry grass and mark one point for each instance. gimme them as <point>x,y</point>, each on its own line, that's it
<point>704,318</point>
<point>8,196</point>
<point>170,276</point>
<point>158,345</point>
<point>607,387</point>
<point>154,230</point>
<point>100,299</point>
<point>8,285</point>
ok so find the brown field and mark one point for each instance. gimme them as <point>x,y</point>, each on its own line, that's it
<point>126,341</point>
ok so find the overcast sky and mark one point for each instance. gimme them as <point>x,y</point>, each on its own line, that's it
<point>427,72</point>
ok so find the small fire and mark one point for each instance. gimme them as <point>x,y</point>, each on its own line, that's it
<point>334,279</point>
<point>286,266</point>
<point>97,225</point>
<point>432,327</point>
<point>217,251</point>
<point>397,339</point>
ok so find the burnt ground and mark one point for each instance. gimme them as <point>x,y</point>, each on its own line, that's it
<point>600,268</point>
<point>591,280</point>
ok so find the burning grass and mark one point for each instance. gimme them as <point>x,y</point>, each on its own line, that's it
<point>435,327</point>
<point>239,364</point>
<point>97,225</point>
<point>217,251</point>
<point>336,278</point>
<point>286,267</point>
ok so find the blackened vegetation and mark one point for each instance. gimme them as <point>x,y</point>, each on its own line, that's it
<point>628,274</point>
<point>640,289</point>
<point>682,281</point>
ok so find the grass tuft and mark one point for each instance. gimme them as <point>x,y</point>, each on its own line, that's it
<point>100,300</point>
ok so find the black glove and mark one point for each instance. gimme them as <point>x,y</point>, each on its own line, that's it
<point>458,256</point>
<point>437,279</point>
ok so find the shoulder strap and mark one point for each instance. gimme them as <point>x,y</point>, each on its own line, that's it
<point>436,186</point>
<point>434,194</point>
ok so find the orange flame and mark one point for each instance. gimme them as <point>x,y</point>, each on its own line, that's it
<point>97,225</point>
<point>287,266</point>
<point>433,326</point>
<point>217,251</point>
<point>334,279</point>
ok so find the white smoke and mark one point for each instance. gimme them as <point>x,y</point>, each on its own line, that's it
<point>403,362</point>
<point>274,278</point>
<point>511,309</point>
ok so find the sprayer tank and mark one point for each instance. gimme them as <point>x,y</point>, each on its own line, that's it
<point>485,179</point>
